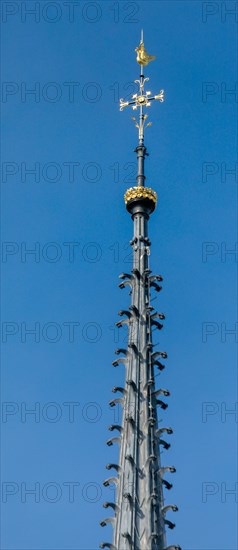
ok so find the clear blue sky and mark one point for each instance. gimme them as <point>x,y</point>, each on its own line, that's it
<point>192,143</point>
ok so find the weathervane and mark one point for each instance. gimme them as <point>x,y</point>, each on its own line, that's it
<point>142,98</point>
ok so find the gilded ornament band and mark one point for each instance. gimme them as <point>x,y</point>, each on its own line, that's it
<point>140,192</point>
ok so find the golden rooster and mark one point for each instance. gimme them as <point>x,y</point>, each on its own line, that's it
<point>143,58</point>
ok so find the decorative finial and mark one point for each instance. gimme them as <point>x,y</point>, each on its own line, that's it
<point>143,58</point>
<point>142,98</point>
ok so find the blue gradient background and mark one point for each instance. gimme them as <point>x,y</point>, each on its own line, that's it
<point>187,131</point>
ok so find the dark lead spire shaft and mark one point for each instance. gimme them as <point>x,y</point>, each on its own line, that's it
<point>141,152</point>
<point>139,517</point>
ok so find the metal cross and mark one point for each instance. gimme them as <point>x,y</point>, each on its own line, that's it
<point>142,98</point>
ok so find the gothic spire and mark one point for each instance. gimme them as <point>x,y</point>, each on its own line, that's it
<point>139,515</point>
